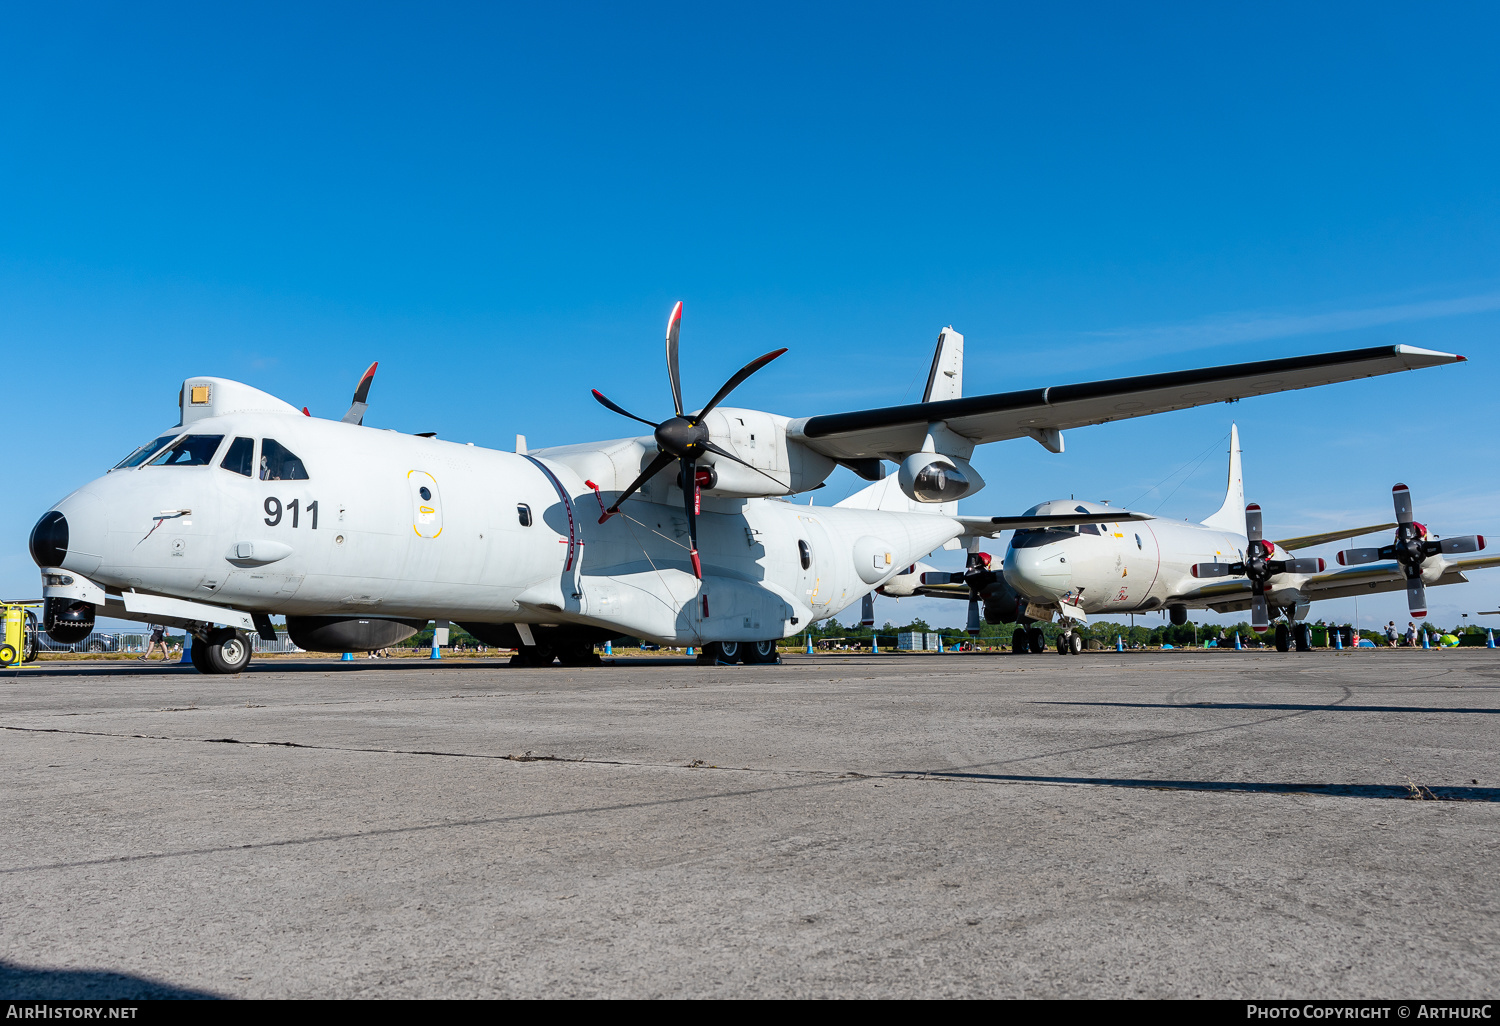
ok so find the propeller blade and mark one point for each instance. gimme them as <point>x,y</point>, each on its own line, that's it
<point>690,506</point>
<point>1253,523</point>
<point>674,326</point>
<point>662,459</point>
<point>1416,596</point>
<point>719,450</point>
<point>735,382</point>
<point>1354,557</point>
<point>1259,621</point>
<point>867,611</point>
<point>1211,569</point>
<point>607,404</point>
<point>973,627</point>
<point>1401,495</point>
<point>361,401</point>
<point>1305,565</point>
<point>1464,543</point>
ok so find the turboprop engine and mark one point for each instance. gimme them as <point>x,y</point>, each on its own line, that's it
<point>934,477</point>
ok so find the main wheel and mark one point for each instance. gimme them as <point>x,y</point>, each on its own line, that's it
<point>198,655</point>
<point>228,651</point>
<point>1038,640</point>
<point>1062,645</point>
<point>722,653</point>
<point>1075,644</point>
<point>1303,635</point>
<point>532,655</point>
<point>1283,638</point>
<point>579,654</point>
<point>760,652</point>
<point>1019,645</point>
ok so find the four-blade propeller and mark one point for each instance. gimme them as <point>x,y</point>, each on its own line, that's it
<point>1259,567</point>
<point>977,575</point>
<point>684,437</point>
<point>1411,549</point>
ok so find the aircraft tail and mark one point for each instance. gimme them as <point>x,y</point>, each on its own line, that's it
<point>1231,515</point>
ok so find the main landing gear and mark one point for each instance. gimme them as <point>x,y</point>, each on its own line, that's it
<point>1028,638</point>
<point>1298,635</point>
<point>225,650</point>
<point>725,653</point>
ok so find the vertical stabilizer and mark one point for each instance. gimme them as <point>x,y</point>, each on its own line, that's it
<point>946,379</point>
<point>1231,515</point>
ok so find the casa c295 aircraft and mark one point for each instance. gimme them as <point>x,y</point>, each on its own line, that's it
<point>250,507</point>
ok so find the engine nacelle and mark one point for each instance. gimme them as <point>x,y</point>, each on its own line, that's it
<point>778,465</point>
<point>934,477</point>
<point>348,633</point>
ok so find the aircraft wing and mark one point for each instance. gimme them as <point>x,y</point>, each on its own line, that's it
<point>992,527</point>
<point>1307,541</point>
<point>896,431</point>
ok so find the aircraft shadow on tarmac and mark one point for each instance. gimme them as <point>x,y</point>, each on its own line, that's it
<point>1288,707</point>
<point>134,669</point>
<point>32,983</point>
<point>1406,791</point>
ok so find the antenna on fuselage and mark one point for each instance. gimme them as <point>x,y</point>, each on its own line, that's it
<point>356,414</point>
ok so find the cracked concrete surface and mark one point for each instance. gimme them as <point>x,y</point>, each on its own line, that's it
<point>1174,824</point>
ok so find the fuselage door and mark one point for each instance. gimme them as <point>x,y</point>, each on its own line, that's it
<point>427,507</point>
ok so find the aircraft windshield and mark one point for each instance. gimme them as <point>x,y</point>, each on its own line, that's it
<point>144,453</point>
<point>241,456</point>
<point>192,451</point>
<point>277,463</point>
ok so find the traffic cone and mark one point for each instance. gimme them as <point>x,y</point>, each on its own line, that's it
<point>875,644</point>
<point>1425,642</point>
<point>1338,638</point>
<point>347,657</point>
<point>1237,646</point>
<point>1489,639</point>
<point>187,647</point>
<point>690,650</point>
<point>809,645</point>
<point>609,648</point>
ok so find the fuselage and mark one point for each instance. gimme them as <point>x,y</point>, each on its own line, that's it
<point>1121,567</point>
<point>319,517</point>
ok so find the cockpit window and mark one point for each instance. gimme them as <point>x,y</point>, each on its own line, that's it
<point>192,451</point>
<point>277,463</point>
<point>144,453</point>
<point>1088,529</point>
<point>241,457</point>
<point>1039,536</point>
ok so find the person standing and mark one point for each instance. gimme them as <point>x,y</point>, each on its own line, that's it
<point>1411,634</point>
<point>158,640</point>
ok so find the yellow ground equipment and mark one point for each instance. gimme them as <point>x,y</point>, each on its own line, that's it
<point>19,642</point>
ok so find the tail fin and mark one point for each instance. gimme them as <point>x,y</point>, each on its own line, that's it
<point>946,379</point>
<point>1231,515</point>
<point>886,495</point>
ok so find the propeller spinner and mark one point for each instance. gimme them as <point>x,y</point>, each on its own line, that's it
<point>684,437</point>
<point>1259,566</point>
<point>1411,549</point>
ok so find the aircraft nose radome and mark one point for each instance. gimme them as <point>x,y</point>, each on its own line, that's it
<point>1038,572</point>
<point>72,535</point>
<point>49,540</point>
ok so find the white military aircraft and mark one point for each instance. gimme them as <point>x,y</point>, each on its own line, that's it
<point>1071,573</point>
<point>250,507</point>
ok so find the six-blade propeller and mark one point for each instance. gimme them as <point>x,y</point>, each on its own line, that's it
<point>1259,567</point>
<point>684,437</point>
<point>1411,549</point>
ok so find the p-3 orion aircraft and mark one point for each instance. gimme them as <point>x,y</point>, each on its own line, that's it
<point>250,507</point>
<point>1225,564</point>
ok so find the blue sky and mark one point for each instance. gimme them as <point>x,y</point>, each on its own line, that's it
<point>501,203</point>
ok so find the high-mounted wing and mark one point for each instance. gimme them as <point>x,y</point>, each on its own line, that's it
<point>895,431</point>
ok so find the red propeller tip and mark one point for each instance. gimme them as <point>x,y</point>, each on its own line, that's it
<point>1253,506</point>
<point>305,412</point>
<point>1463,359</point>
<point>697,566</point>
<point>1401,488</point>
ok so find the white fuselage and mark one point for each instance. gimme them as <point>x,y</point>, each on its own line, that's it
<point>1124,567</point>
<point>358,537</point>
